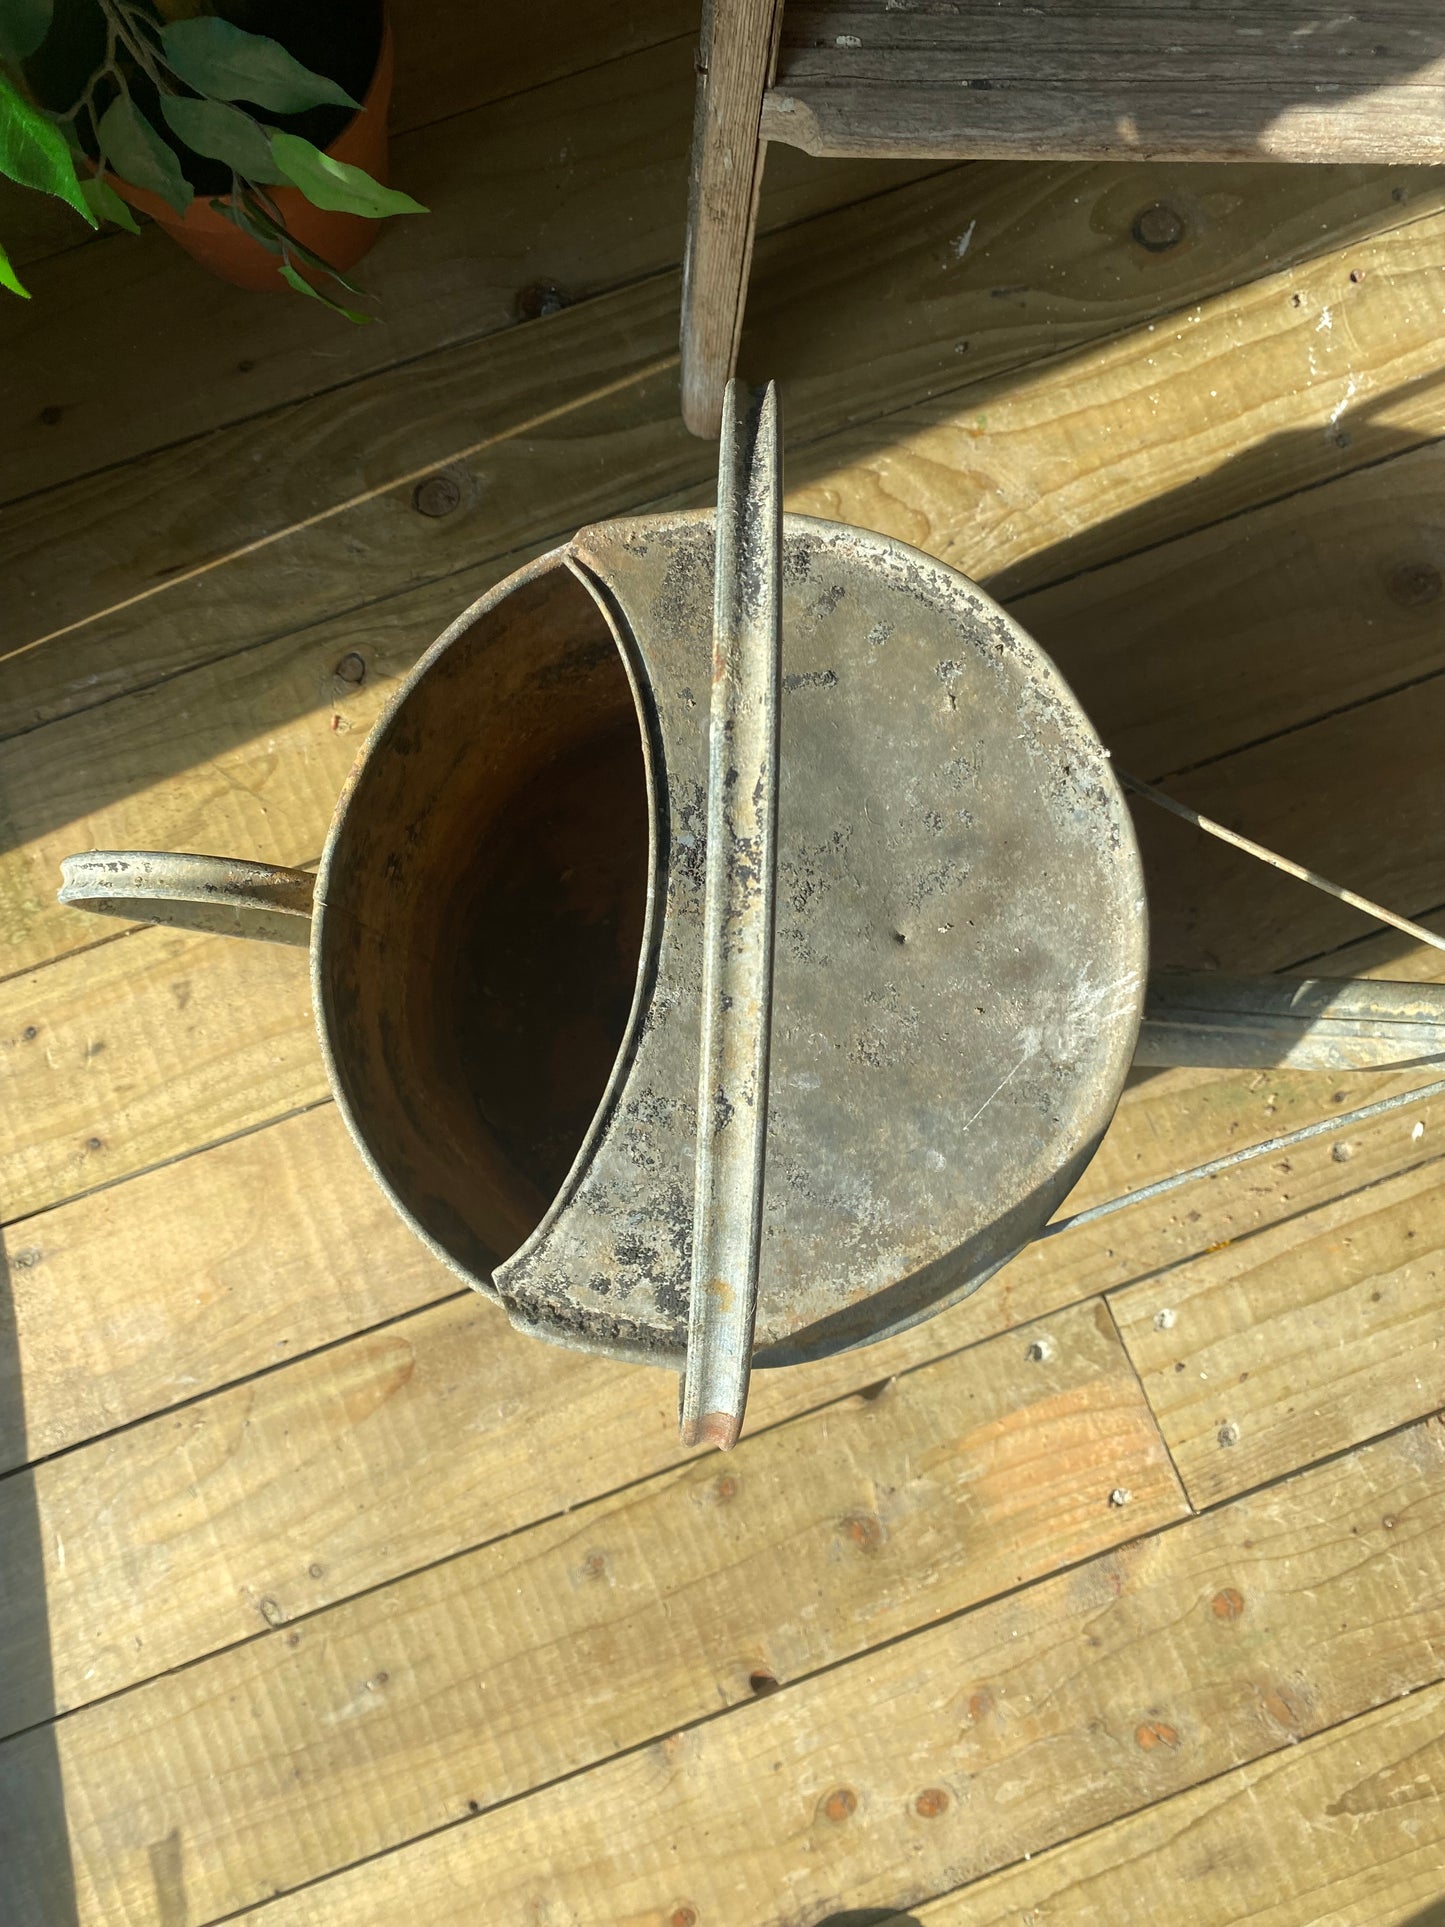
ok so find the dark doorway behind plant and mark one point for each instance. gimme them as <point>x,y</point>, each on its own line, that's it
<point>108,101</point>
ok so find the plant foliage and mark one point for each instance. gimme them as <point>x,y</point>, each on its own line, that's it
<point>195,70</point>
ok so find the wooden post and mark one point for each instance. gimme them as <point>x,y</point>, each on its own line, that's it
<point>735,65</point>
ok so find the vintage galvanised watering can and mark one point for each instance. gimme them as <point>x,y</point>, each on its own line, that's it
<point>715,1002</point>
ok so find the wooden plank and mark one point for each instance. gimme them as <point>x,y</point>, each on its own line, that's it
<point>245,757</point>
<point>1279,46</point>
<point>1347,1827</point>
<point>544,427</point>
<point>1354,796</point>
<point>1286,383</point>
<point>1173,81</point>
<point>146,1294</point>
<point>549,196</point>
<point>1241,631</point>
<point>735,64</point>
<point>128,1054</point>
<point>916,1768</point>
<point>452,56</point>
<point>480,1679</point>
<point>1309,604</point>
<point>1320,1332</point>
<point>915,118</point>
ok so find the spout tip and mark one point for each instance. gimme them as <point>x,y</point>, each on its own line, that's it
<point>713,1428</point>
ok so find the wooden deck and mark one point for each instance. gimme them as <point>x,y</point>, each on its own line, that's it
<point>1115,1595</point>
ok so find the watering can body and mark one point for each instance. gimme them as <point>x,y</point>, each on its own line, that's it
<point>506,939</point>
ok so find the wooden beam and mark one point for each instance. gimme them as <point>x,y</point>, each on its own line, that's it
<point>735,64</point>
<point>1111,81</point>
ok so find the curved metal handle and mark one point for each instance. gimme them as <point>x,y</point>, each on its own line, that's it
<point>221,894</point>
<point>737,993</point>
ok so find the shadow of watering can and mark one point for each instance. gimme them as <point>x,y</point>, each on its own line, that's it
<point>717,1002</point>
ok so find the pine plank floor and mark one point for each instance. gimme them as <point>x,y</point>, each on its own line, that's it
<point>1114,1595</point>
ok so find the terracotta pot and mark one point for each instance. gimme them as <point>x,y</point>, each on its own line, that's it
<point>341,239</point>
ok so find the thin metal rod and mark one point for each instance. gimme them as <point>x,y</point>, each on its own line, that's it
<point>1272,857</point>
<point>1215,1165</point>
<point>737,987</point>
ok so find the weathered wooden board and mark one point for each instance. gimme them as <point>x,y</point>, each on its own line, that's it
<point>452,55</point>
<point>573,187</point>
<point>128,1054</point>
<point>1251,627</point>
<point>1355,796</point>
<point>1113,79</point>
<point>1221,421</point>
<point>147,1294</point>
<point>475,1681</point>
<point>1320,1332</point>
<point>934,1761</point>
<point>243,757</point>
<point>543,427</point>
<point>735,64</point>
<point>1348,1827</point>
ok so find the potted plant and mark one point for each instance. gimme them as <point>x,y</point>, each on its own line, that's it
<point>253,131</point>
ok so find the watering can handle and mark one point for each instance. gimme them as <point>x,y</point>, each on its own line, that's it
<point>732,1102</point>
<point>213,893</point>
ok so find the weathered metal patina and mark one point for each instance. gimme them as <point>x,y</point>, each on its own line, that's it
<point>910,1007</point>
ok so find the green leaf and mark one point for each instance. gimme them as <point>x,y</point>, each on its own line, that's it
<point>23,25</point>
<point>303,286</point>
<point>33,152</point>
<point>305,254</point>
<point>257,226</point>
<point>10,279</point>
<point>222,134</point>
<point>139,155</point>
<point>224,62</point>
<point>106,205</point>
<point>332,184</point>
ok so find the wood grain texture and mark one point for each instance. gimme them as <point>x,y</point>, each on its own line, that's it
<point>1167,81</point>
<point>544,198</point>
<point>143,1295</point>
<point>1322,1331</point>
<point>137,573</point>
<point>735,64</point>
<point>478,1680</point>
<point>1347,1827</point>
<point>934,1761</point>
<point>1297,379</point>
<point>243,757</point>
<point>130,1053</point>
<point>1241,631</point>
<point>1352,796</point>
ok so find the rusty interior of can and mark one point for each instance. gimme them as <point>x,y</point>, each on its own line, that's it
<point>484,918</point>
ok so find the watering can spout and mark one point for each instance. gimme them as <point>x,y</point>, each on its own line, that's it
<point>738,922</point>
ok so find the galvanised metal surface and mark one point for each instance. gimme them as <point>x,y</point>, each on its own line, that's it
<point>738,913</point>
<point>960,953</point>
<point>1203,1017</point>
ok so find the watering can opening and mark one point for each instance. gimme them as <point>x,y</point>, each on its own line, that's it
<point>482,915</point>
